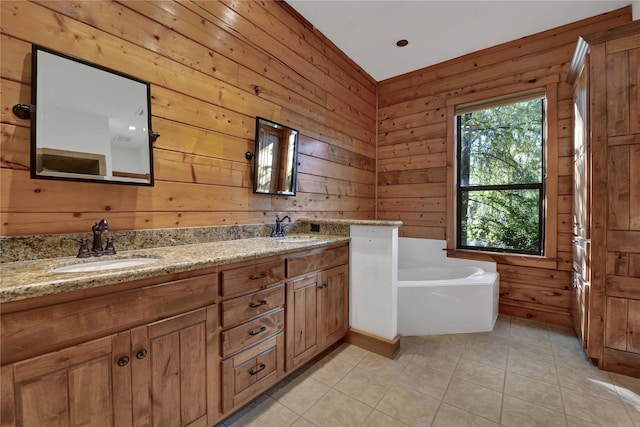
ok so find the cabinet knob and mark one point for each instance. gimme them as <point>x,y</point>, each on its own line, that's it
<point>123,361</point>
<point>258,304</point>
<point>141,354</point>
<point>255,371</point>
<point>323,285</point>
<point>262,329</point>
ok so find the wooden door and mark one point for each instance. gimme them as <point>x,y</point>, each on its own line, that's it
<point>334,305</point>
<point>84,385</point>
<point>581,206</point>
<point>175,382</point>
<point>302,320</point>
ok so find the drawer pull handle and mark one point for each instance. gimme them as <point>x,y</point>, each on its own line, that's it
<point>141,354</point>
<point>123,361</point>
<point>262,329</point>
<point>259,276</point>
<point>255,305</point>
<point>255,371</point>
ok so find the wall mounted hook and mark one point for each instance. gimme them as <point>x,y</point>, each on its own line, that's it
<point>153,136</point>
<point>22,111</point>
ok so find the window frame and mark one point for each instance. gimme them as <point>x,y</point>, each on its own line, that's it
<point>553,200</point>
<point>541,187</point>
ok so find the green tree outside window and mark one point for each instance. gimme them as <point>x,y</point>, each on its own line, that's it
<point>500,178</point>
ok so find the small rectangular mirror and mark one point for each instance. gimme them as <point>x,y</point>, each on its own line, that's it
<point>90,123</point>
<point>276,159</point>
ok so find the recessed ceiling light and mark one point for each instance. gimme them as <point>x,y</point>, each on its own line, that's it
<point>402,43</point>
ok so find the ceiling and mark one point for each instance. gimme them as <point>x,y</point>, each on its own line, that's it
<point>367,30</point>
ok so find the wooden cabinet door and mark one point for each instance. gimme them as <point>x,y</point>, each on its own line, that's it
<point>84,385</point>
<point>302,320</point>
<point>581,206</point>
<point>175,382</point>
<point>334,305</point>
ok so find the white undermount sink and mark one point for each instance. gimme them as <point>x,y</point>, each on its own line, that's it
<point>296,239</point>
<point>104,265</point>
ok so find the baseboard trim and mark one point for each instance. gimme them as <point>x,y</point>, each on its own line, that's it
<point>379,345</point>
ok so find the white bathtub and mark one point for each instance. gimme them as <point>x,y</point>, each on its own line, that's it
<point>440,295</point>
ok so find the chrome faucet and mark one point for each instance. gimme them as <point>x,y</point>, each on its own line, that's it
<point>98,228</point>
<point>279,229</point>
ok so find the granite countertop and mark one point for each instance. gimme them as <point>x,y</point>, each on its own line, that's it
<point>28,279</point>
<point>371,222</point>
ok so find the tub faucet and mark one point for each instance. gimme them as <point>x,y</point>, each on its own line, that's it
<point>279,230</point>
<point>98,228</point>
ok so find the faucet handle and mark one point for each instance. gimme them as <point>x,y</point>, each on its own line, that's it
<point>109,249</point>
<point>83,251</point>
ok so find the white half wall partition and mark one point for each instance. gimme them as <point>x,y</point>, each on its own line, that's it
<point>374,279</point>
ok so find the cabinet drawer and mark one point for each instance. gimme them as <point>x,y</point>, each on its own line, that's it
<point>251,372</point>
<point>317,261</point>
<point>242,336</point>
<point>243,308</point>
<point>243,280</point>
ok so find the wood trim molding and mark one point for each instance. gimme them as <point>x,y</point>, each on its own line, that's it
<point>379,345</point>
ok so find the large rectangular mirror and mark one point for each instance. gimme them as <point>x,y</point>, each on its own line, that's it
<point>276,159</point>
<point>90,123</point>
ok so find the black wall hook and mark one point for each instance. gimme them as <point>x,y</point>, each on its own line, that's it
<point>22,111</point>
<point>153,136</point>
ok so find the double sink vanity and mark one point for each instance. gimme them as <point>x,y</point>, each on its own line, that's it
<point>176,335</point>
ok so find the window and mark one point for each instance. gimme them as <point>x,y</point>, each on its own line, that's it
<point>500,175</point>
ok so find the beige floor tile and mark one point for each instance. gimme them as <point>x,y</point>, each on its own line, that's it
<point>486,376</point>
<point>534,391</point>
<point>634,414</point>
<point>303,422</point>
<point>529,328</point>
<point>518,413</point>
<point>492,355</point>
<point>409,406</point>
<point>383,365</point>
<point>474,398</point>
<point>594,409</point>
<point>450,416</point>
<point>329,371</point>
<point>337,409</point>
<point>365,386</point>
<point>538,350</point>
<point>577,422</point>
<point>425,380</point>
<point>267,413</point>
<point>301,393</point>
<point>444,361</point>
<point>589,380</point>
<point>486,339</point>
<point>349,353</point>
<point>502,326</point>
<point>380,419</point>
<point>628,389</point>
<point>570,354</point>
<point>525,366</point>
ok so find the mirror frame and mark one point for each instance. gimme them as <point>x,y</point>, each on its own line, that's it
<point>34,109</point>
<point>262,123</point>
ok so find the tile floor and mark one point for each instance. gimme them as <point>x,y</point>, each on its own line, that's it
<point>521,374</point>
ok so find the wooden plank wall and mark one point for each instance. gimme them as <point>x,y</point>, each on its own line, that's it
<point>622,176</point>
<point>213,67</point>
<point>412,156</point>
